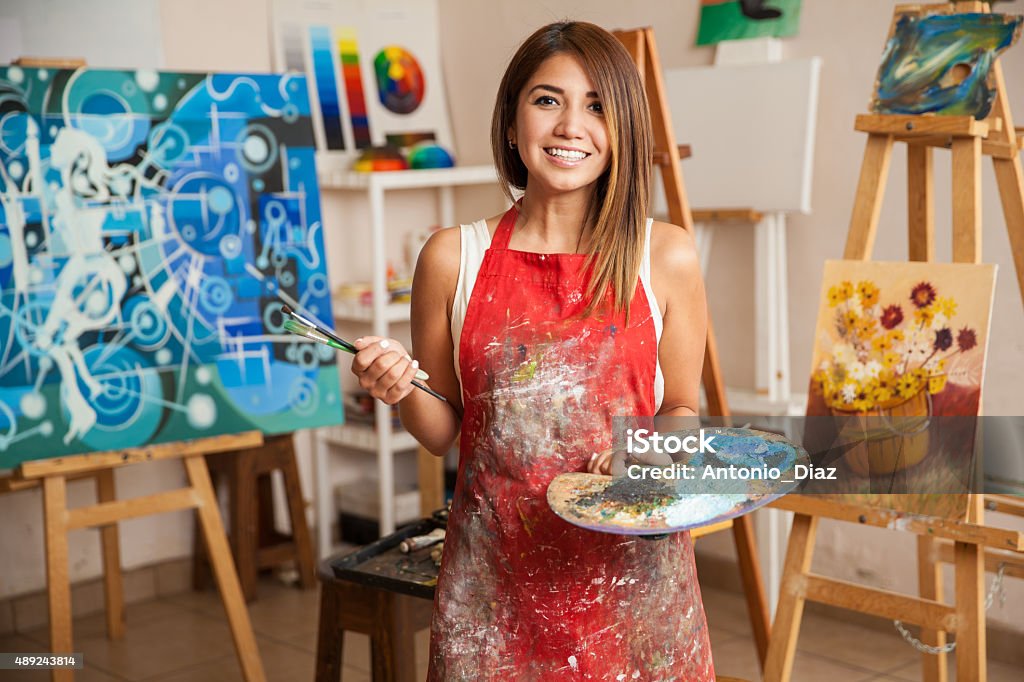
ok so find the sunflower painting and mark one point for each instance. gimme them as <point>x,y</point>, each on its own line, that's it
<point>898,348</point>
<point>889,333</point>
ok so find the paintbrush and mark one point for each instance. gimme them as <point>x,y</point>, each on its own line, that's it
<point>305,331</point>
<point>300,326</point>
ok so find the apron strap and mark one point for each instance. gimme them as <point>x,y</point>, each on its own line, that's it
<point>503,234</point>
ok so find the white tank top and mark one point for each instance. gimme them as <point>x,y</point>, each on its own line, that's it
<point>476,239</point>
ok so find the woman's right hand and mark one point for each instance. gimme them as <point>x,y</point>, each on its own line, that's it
<point>384,368</point>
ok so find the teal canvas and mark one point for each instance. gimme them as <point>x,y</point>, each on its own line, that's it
<point>152,225</point>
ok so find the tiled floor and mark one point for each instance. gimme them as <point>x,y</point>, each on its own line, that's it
<point>186,639</point>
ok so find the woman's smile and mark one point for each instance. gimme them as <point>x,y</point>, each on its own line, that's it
<point>566,157</point>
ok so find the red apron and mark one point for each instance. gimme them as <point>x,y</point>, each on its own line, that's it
<point>524,596</point>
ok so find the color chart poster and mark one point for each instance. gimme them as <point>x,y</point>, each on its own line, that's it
<point>152,226</point>
<point>375,70</point>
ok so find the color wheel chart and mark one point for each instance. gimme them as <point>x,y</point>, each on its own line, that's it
<point>400,82</point>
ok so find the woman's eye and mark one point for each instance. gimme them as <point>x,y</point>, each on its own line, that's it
<point>545,100</point>
<point>597,107</point>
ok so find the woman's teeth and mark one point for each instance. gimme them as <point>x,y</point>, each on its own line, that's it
<point>566,154</point>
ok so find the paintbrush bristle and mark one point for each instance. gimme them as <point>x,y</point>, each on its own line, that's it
<point>296,327</point>
<point>286,309</point>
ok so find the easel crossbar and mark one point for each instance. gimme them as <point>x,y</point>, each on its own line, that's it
<point>921,126</point>
<point>1005,504</point>
<point>927,613</point>
<point>1011,563</point>
<point>960,531</point>
<point>107,513</point>
<point>73,464</point>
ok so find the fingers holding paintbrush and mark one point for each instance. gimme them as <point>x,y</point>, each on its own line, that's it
<point>296,323</point>
<point>385,370</point>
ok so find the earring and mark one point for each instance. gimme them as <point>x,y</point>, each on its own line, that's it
<point>511,144</point>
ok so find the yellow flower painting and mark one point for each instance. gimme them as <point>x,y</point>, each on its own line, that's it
<point>896,347</point>
<point>889,333</point>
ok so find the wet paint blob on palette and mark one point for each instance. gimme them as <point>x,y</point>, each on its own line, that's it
<point>400,81</point>
<point>627,505</point>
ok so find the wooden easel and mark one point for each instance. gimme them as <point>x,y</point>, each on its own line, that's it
<point>969,140</point>
<point>640,44</point>
<point>53,475</point>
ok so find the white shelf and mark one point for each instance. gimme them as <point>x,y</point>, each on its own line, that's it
<point>359,437</point>
<point>353,311</point>
<point>407,179</point>
<point>333,174</point>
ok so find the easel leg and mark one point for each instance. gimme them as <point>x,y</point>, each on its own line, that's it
<point>920,203</point>
<point>790,610</point>
<point>243,521</point>
<point>714,387</point>
<point>300,529</point>
<point>430,474</point>
<point>934,667</point>
<point>1010,178</point>
<point>753,585</point>
<point>224,569</point>
<point>970,603</point>
<point>112,583</point>
<point>967,200</point>
<point>55,505</point>
<point>868,202</point>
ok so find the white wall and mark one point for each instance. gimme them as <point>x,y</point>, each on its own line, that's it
<point>477,40</point>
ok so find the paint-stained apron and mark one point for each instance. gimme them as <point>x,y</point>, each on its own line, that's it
<point>524,596</point>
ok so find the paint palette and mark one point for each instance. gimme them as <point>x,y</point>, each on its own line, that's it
<point>683,496</point>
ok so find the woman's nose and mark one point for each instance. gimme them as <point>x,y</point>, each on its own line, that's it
<point>570,123</point>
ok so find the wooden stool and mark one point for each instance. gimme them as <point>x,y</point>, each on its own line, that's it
<point>389,618</point>
<point>254,542</point>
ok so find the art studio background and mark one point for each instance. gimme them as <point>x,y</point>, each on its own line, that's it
<point>476,40</point>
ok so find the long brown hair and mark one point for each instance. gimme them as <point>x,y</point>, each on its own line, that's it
<point>618,206</point>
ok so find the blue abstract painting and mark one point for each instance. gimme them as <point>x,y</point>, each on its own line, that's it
<point>941,63</point>
<point>152,225</point>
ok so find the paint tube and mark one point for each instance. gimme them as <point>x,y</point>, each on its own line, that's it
<point>436,553</point>
<point>420,541</point>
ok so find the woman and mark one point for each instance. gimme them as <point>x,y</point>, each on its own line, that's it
<point>539,326</point>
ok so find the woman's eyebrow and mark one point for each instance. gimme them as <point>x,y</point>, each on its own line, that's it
<point>557,90</point>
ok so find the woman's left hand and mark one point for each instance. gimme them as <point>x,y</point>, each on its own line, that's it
<point>602,462</point>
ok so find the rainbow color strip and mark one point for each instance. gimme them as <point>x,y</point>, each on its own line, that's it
<point>326,85</point>
<point>348,50</point>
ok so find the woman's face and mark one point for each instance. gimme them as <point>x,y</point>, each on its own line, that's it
<point>560,129</point>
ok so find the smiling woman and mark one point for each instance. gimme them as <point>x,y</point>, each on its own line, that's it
<point>539,326</point>
<point>602,103</point>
